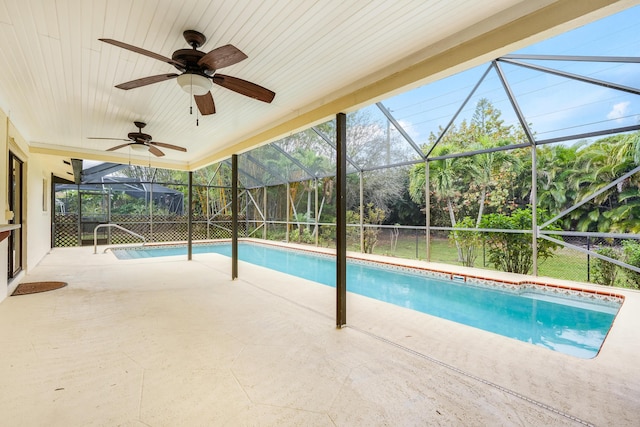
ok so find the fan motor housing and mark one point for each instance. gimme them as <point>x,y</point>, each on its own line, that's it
<point>139,137</point>
<point>190,58</point>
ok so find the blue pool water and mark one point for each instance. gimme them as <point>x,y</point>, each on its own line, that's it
<point>569,326</point>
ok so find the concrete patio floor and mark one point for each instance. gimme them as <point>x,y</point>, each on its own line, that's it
<point>167,342</point>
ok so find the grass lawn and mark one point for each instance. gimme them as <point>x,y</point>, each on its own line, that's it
<point>567,264</point>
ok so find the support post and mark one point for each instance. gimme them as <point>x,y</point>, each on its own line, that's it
<point>153,178</point>
<point>427,210</point>
<point>79,216</point>
<point>534,208</point>
<point>109,214</point>
<point>190,218</point>
<point>234,216</point>
<point>315,213</point>
<point>208,213</point>
<point>286,234</point>
<point>264,214</point>
<point>588,259</point>
<point>341,219</point>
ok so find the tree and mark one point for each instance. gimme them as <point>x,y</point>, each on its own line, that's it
<point>491,170</point>
<point>556,169</point>
<point>596,166</point>
<point>443,176</point>
<point>372,216</point>
<point>471,184</point>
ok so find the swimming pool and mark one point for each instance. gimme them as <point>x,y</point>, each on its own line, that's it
<point>566,320</point>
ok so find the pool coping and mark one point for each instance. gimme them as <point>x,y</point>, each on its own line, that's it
<point>487,278</point>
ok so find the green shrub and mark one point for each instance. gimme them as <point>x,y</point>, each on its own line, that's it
<point>605,272</point>
<point>467,241</point>
<point>327,236</point>
<point>304,237</point>
<point>513,252</point>
<point>372,216</point>
<point>631,250</point>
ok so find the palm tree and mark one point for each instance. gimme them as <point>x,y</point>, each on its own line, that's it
<point>444,178</point>
<point>599,164</point>
<point>555,170</point>
<point>485,167</point>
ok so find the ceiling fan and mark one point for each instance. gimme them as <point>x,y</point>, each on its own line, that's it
<point>198,71</point>
<point>143,141</point>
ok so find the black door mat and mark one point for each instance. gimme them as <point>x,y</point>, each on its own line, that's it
<point>35,287</point>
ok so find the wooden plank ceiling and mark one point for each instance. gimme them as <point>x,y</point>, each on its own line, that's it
<point>57,79</point>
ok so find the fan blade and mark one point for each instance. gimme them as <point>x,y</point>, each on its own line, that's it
<point>108,139</point>
<point>118,147</point>
<point>145,52</point>
<point>156,152</point>
<point>146,81</point>
<point>205,103</point>
<point>169,146</point>
<point>221,57</point>
<point>244,87</point>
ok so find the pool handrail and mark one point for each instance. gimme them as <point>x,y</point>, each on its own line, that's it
<point>95,235</point>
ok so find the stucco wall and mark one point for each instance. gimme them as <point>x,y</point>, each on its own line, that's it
<point>3,201</point>
<point>38,224</point>
<point>36,216</point>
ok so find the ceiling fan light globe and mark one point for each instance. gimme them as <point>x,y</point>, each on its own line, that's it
<point>194,83</point>
<point>138,147</point>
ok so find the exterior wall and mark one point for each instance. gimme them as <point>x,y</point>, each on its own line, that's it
<point>4,167</point>
<point>38,223</point>
<point>36,215</point>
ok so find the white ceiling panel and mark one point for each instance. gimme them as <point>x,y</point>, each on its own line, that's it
<point>57,80</point>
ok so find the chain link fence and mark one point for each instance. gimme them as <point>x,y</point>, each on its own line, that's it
<point>567,262</point>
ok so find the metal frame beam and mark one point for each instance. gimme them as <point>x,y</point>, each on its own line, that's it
<point>332,145</point>
<point>514,103</point>
<point>591,253</point>
<point>572,76</point>
<point>294,160</point>
<point>631,59</point>
<point>270,170</point>
<point>229,162</point>
<point>399,128</point>
<point>455,116</point>
<point>586,135</point>
<point>592,196</point>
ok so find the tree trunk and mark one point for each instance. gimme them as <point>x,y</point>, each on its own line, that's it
<point>315,228</point>
<point>309,205</point>
<point>483,196</point>
<point>452,216</point>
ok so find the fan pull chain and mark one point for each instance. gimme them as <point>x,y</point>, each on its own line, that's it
<point>191,97</point>
<point>191,106</point>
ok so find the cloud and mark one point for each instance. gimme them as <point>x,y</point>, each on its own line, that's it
<point>409,128</point>
<point>618,111</point>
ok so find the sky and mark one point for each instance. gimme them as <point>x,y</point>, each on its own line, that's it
<point>553,106</point>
